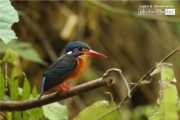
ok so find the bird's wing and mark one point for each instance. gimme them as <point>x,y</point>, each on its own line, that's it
<point>59,71</point>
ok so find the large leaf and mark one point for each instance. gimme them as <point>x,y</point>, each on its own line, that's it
<point>167,103</point>
<point>17,115</point>
<point>25,115</point>
<point>13,84</point>
<point>8,16</point>
<point>23,49</point>
<point>34,92</point>
<point>26,89</point>
<point>36,113</point>
<point>101,110</point>
<point>55,111</point>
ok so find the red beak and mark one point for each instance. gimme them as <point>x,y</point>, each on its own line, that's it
<point>94,54</point>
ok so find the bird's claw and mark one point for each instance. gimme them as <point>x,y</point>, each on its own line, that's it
<point>64,87</point>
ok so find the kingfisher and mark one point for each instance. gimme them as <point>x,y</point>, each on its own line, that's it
<point>68,67</point>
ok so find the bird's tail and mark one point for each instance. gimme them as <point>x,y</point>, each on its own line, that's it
<point>42,90</point>
<point>41,93</point>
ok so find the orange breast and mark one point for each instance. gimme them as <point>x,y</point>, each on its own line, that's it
<point>80,67</point>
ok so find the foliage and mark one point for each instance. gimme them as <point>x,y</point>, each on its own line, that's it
<point>23,50</point>
<point>13,84</point>
<point>167,103</point>
<point>15,93</point>
<point>166,108</point>
<point>141,111</point>
<point>8,16</point>
<point>9,83</point>
<point>101,110</point>
<point>55,111</point>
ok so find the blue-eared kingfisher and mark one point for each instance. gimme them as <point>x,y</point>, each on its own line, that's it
<point>68,66</point>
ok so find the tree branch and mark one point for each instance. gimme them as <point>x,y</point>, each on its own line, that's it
<point>106,80</point>
<point>28,104</point>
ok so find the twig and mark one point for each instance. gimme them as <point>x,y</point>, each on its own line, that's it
<point>119,75</point>
<point>111,96</point>
<point>147,75</point>
<point>142,79</point>
<point>28,104</point>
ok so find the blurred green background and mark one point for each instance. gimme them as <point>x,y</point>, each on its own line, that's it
<point>133,43</point>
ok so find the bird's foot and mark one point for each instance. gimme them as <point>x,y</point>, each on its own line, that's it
<point>64,87</point>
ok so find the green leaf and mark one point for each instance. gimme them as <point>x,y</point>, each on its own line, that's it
<point>10,56</point>
<point>34,92</point>
<point>2,84</point>
<point>8,16</point>
<point>31,54</point>
<point>26,89</point>
<point>140,111</point>
<point>167,103</point>
<point>101,110</point>
<point>13,84</point>
<point>36,113</point>
<point>9,116</point>
<point>40,112</point>
<point>55,111</point>
<point>16,115</point>
<point>25,116</point>
<point>23,50</point>
<point>20,91</point>
<point>14,73</point>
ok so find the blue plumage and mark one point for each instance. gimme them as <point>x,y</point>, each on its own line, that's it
<point>63,67</point>
<point>58,72</point>
<point>72,45</point>
<point>67,67</point>
<point>42,90</point>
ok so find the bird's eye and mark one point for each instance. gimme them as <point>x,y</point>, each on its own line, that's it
<point>80,48</point>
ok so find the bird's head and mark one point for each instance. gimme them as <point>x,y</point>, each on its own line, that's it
<point>80,49</point>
